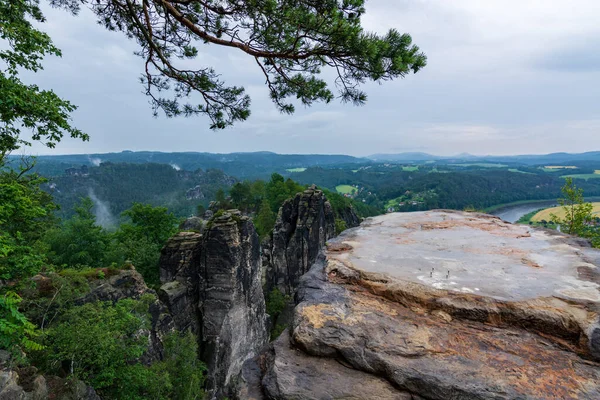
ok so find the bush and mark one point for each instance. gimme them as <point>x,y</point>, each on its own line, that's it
<point>340,226</point>
<point>275,304</point>
<point>101,343</point>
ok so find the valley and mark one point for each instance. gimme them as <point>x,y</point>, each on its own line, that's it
<point>269,200</point>
<point>117,180</point>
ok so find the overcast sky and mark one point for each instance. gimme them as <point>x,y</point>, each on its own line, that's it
<point>503,77</point>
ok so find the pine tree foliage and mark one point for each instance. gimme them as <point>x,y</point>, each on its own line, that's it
<point>292,42</point>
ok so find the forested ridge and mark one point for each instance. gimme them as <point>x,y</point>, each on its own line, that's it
<point>119,185</point>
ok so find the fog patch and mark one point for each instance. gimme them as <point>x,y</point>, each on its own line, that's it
<point>95,161</point>
<point>175,167</point>
<point>104,217</point>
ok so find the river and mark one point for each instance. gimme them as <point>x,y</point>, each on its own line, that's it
<point>513,213</point>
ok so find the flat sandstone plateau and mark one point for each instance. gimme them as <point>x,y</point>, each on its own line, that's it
<point>453,305</point>
<point>473,253</point>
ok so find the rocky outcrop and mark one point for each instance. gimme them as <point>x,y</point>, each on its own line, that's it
<point>194,193</point>
<point>193,224</point>
<point>303,226</point>
<point>213,286</point>
<point>231,301</point>
<point>179,272</point>
<point>349,216</point>
<point>412,299</point>
<point>27,384</point>
<point>293,374</point>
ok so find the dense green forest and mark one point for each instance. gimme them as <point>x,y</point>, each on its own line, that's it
<point>117,186</point>
<point>444,186</point>
<point>114,187</point>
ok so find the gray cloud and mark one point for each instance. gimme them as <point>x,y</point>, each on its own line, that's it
<point>582,56</point>
<point>499,81</point>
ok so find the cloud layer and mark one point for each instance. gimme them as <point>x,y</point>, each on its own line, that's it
<point>503,77</point>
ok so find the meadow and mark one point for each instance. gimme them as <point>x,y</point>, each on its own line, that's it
<point>345,189</point>
<point>559,212</point>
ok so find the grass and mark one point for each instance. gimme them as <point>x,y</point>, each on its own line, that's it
<point>482,165</point>
<point>526,219</point>
<point>296,169</point>
<point>582,176</point>
<point>519,171</point>
<point>559,212</point>
<point>345,189</point>
<point>412,168</point>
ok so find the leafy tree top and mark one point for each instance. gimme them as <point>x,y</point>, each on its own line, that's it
<point>25,106</point>
<point>292,42</point>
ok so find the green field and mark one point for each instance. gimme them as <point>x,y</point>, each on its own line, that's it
<point>412,168</point>
<point>559,212</point>
<point>482,165</point>
<point>296,170</point>
<point>582,176</point>
<point>519,171</point>
<point>345,189</point>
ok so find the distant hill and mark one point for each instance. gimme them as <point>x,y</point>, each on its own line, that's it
<point>530,159</point>
<point>406,157</point>
<point>242,165</point>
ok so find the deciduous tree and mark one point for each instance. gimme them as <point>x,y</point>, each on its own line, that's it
<point>577,212</point>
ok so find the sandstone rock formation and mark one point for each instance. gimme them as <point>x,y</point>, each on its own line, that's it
<point>194,193</point>
<point>442,305</point>
<point>231,301</point>
<point>212,285</point>
<point>303,225</point>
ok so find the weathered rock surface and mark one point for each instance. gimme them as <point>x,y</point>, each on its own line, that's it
<point>27,384</point>
<point>303,225</point>
<point>349,216</point>
<point>231,301</point>
<point>478,267</point>
<point>179,271</point>
<point>292,374</point>
<point>194,193</point>
<point>440,305</point>
<point>213,286</point>
<point>515,318</point>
